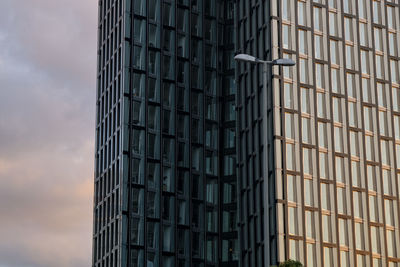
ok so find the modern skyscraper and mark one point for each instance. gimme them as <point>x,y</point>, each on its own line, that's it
<point>333,130</point>
<point>165,179</point>
<point>168,188</point>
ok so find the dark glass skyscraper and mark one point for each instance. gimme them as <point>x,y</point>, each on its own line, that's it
<point>165,180</point>
<point>182,176</point>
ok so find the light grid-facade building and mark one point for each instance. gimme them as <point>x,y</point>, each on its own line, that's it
<point>165,178</point>
<point>332,128</point>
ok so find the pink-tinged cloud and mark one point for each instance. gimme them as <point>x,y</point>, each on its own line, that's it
<point>47,108</point>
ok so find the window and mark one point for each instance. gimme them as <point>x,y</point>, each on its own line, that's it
<point>373,209</point>
<point>369,148</point>
<point>348,26</point>
<point>377,12</point>
<point>308,192</point>
<point>153,117</point>
<point>383,123</point>
<point>137,201</point>
<point>334,52</point>
<point>321,105</point>
<point>154,62</point>
<point>394,70</point>
<point>293,229</point>
<point>341,200</point>
<point>387,182</point>
<point>318,40</point>
<point>357,204</point>
<point>303,42</point>
<point>353,114</point>
<point>391,15</point>
<point>291,188</point>
<point>288,91</point>
<point>366,90</point>
<point>138,113</point>
<point>183,46</point>
<point>354,151</point>
<point>140,8</point>
<point>355,174</point>
<point>343,233</point>
<point>138,142</point>
<point>286,36</point>
<point>137,236</point>
<point>364,62</point>
<point>307,161</point>
<point>359,234</point>
<point>335,81</point>
<point>303,67</point>
<point>138,85</point>
<point>379,67</point>
<point>326,229</point>
<point>397,127</point>
<point>328,254</point>
<point>153,205</point>
<point>154,10</point>
<point>168,14</point>
<point>306,133</point>
<point>318,19</point>
<point>152,235</point>
<point>349,56</point>
<point>375,242</point>
<point>169,40</point>
<point>333,28</point>
<point>350,85</point>
<point>323,165</point>
<point>289,125</point>
<point>305,100</point>
<point>337,110</point>
<point>229,137</point>
<point>381,95</point>
<point>168,94</point>
<point>325,200</point>
<point>361,9</point>
<point>319,75</point>
<point>396,98</point>
<point>338,135</point>
<point>385,152</point>
<point>139,57</point>
<point>347,6</point>
<point>322,135</point>
<point>368,122</point>
<point>139,32</point>
<point>290,156</point>
<point>154,90</point>
<point>302,15</point>
<point>154,36</point>
<point>310,222</point>
<point>363,34</point>
<point>378,39</point>
<point>310,254</point>
<point>285,9</point>
<point>196,25</point>
<point>392,44</point>
<point>168,211</point>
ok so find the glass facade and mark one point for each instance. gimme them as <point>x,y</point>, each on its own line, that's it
<point>197,165</point>
<point>333,183</point>
<point>165,179</point>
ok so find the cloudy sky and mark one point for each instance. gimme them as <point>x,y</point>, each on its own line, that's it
<point>47,107</point>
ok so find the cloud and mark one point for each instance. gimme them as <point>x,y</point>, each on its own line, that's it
<point>47,108</point>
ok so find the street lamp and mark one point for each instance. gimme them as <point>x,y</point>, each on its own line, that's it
<point>286,62</point>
